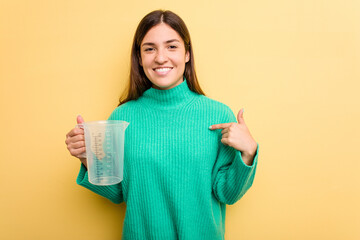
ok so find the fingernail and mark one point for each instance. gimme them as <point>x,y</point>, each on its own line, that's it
<point>243,110</point>
<point>210,127</point>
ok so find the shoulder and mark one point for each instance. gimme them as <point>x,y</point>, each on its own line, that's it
<point>213,104</point>
<point>123,110</point>
<point>217,108</point>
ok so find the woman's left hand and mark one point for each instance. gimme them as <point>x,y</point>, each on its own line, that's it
<point>238,136</point>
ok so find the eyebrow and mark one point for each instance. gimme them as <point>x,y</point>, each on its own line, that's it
<point>168,41</point>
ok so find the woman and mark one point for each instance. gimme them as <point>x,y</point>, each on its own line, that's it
<point>179,173</point>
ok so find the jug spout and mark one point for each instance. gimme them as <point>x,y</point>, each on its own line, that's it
<point>126,124</point>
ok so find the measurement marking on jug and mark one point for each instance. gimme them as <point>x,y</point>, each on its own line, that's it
<point>96,145</point>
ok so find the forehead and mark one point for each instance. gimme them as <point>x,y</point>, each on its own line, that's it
<point>161,33</point>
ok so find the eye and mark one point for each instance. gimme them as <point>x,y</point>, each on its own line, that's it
<point>148,49</point>
<point>173,47</point>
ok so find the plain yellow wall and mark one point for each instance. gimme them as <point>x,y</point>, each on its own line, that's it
<point>293,65</point>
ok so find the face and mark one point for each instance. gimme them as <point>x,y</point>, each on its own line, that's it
<point>163,56</point>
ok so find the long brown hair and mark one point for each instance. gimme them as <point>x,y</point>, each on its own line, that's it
<point>138,82</point>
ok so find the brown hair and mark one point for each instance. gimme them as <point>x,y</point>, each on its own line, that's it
<point>138,82</point>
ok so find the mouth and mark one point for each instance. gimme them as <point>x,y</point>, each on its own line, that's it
<point>162,70</point>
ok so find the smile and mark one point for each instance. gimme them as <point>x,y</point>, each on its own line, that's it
<point>162,70</point>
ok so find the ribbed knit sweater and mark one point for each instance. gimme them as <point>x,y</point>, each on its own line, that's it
<point>178,176</point>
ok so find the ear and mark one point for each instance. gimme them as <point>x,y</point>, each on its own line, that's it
<point>187,56</point>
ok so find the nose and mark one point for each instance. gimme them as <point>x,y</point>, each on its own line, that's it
<point>161,56</point>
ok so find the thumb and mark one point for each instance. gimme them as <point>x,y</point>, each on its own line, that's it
<point>79,119</point>
<point>240,116</point>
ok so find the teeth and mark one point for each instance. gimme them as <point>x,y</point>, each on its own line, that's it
<point>162,69</point>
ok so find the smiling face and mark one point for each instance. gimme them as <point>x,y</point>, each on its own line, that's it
<point>163,56</point>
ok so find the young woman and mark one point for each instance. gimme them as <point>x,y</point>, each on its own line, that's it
<point>186,156</point>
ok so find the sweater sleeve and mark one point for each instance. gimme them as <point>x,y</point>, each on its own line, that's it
<point>231,176</point>
<point>111,192</point>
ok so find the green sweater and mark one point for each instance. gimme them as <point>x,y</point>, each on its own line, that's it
<point>178,176</point>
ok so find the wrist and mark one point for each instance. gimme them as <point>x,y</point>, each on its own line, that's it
<point>84,162</point>
<point>248,156</point>
<point>251,151</point>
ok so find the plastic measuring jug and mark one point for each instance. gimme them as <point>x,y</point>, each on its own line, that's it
<point>104,143</point>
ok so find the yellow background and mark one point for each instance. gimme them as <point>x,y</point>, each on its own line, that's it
<point>293,65</point>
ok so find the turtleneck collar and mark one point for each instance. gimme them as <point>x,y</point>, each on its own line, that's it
<point>172,98</point>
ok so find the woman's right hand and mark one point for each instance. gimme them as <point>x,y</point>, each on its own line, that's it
<point>75,141</point>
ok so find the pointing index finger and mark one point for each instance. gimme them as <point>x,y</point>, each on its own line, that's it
<point>219,126</point>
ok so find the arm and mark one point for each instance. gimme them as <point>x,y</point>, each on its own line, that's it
<point>235,167</point>
<point>231,176</point>
<point>111,192</point>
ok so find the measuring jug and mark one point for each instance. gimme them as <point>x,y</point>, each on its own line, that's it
<point>104,143</point>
